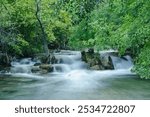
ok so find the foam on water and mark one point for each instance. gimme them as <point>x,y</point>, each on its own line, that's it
<point>71,67</point>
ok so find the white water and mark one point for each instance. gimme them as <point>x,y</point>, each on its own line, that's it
<point>22,68</point>
<point>120,63</point>
<point>71,67</point>
<point>72,80</point>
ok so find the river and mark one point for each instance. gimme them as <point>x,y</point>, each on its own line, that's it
<point>72,80</point>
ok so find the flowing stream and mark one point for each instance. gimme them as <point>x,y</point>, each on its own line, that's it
<point>72,80</point>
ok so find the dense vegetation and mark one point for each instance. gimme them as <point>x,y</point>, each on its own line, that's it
<point>27,26</point>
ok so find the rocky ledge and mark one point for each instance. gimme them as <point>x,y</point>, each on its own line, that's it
<point>97,61</point>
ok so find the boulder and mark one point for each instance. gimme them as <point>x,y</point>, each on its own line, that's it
<point>98,61</point>
<point>46,59</point>
<point>83,56</point>
<point>35,69</point>
<point>5,60</point>
<point>92,59</point>
<point>43,58</point>
<point>4,70</point>
<point>95,67</point>
<point>91,51</point>
<point>37,64</point>
<point>60,60</point>
<point>43,71</point>
<point>107,62</point>
<point>47,67</point>
<point>54,60</point>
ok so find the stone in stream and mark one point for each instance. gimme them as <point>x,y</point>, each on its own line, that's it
<point>37,64</point>
<point>92,59</point>
<point>96,67</point>
<point>46,59</point>
<point>95,61</point>
<point>107,62</point>
<point>35,69</point>
<point>54,60</point>
<point>42,69</point>
<point>83,56</point>
<point>43,58</point>
<point>47,67</point>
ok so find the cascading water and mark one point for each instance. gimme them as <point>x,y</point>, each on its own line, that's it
<point>70,64</point>
<point>71,79</point>
<point>22,68</point>
<point>74,69</point>
<point>122,63</point>
<point>69,61</point>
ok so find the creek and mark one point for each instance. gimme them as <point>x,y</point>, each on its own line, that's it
<point>71,79</point>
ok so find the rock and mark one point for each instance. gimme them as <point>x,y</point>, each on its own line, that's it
<point>53,60</point>
<point>106,58</point>
<point>87,56</point>
<point>60,60</point>
<point>107,62</point>
<point>43,71</point>
<point>92,59</point>
<point>91,51</point>
<point>95,67</point>
<point>46,59</point>
<point>98,61</point>
<point>37,64</point>
<point>59,68</point>
<point>35,69</point>
<point>43,58</point>
<point>4,69</point>
<point>47,67</point>
<point>124,57</point>
<point>83,56</point>
<point>5,60</point>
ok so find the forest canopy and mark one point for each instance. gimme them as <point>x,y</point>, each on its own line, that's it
<point>27,26</point>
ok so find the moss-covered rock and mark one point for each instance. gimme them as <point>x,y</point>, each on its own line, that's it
<point>47,59</point>
<point>95,61</point>
<point>47,67</point>
<point>42,69</point>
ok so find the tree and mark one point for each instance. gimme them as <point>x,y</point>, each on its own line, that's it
<point>44,36</point>
<point>124,25</point>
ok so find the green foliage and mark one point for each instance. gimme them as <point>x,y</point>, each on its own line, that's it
<point>81,36</point>
<point>124,25</point>
<point>143,62</point>
<point>19,25</point>
<point>102,24</point>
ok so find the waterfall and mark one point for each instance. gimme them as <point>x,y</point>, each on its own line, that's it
<point>71,66</point>
<point>22,66</point>
<point>70,78</point>
<point>122,63</point>
<point>68,61</point>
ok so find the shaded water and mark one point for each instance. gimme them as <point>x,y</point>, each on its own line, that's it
<point>71,80</point>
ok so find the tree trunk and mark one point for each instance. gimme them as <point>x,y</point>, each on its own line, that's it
<point>44,36</point>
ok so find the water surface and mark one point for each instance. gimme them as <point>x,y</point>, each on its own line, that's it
<point>72,81</point>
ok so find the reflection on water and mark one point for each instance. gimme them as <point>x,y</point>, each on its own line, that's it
<point>79,86</point>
